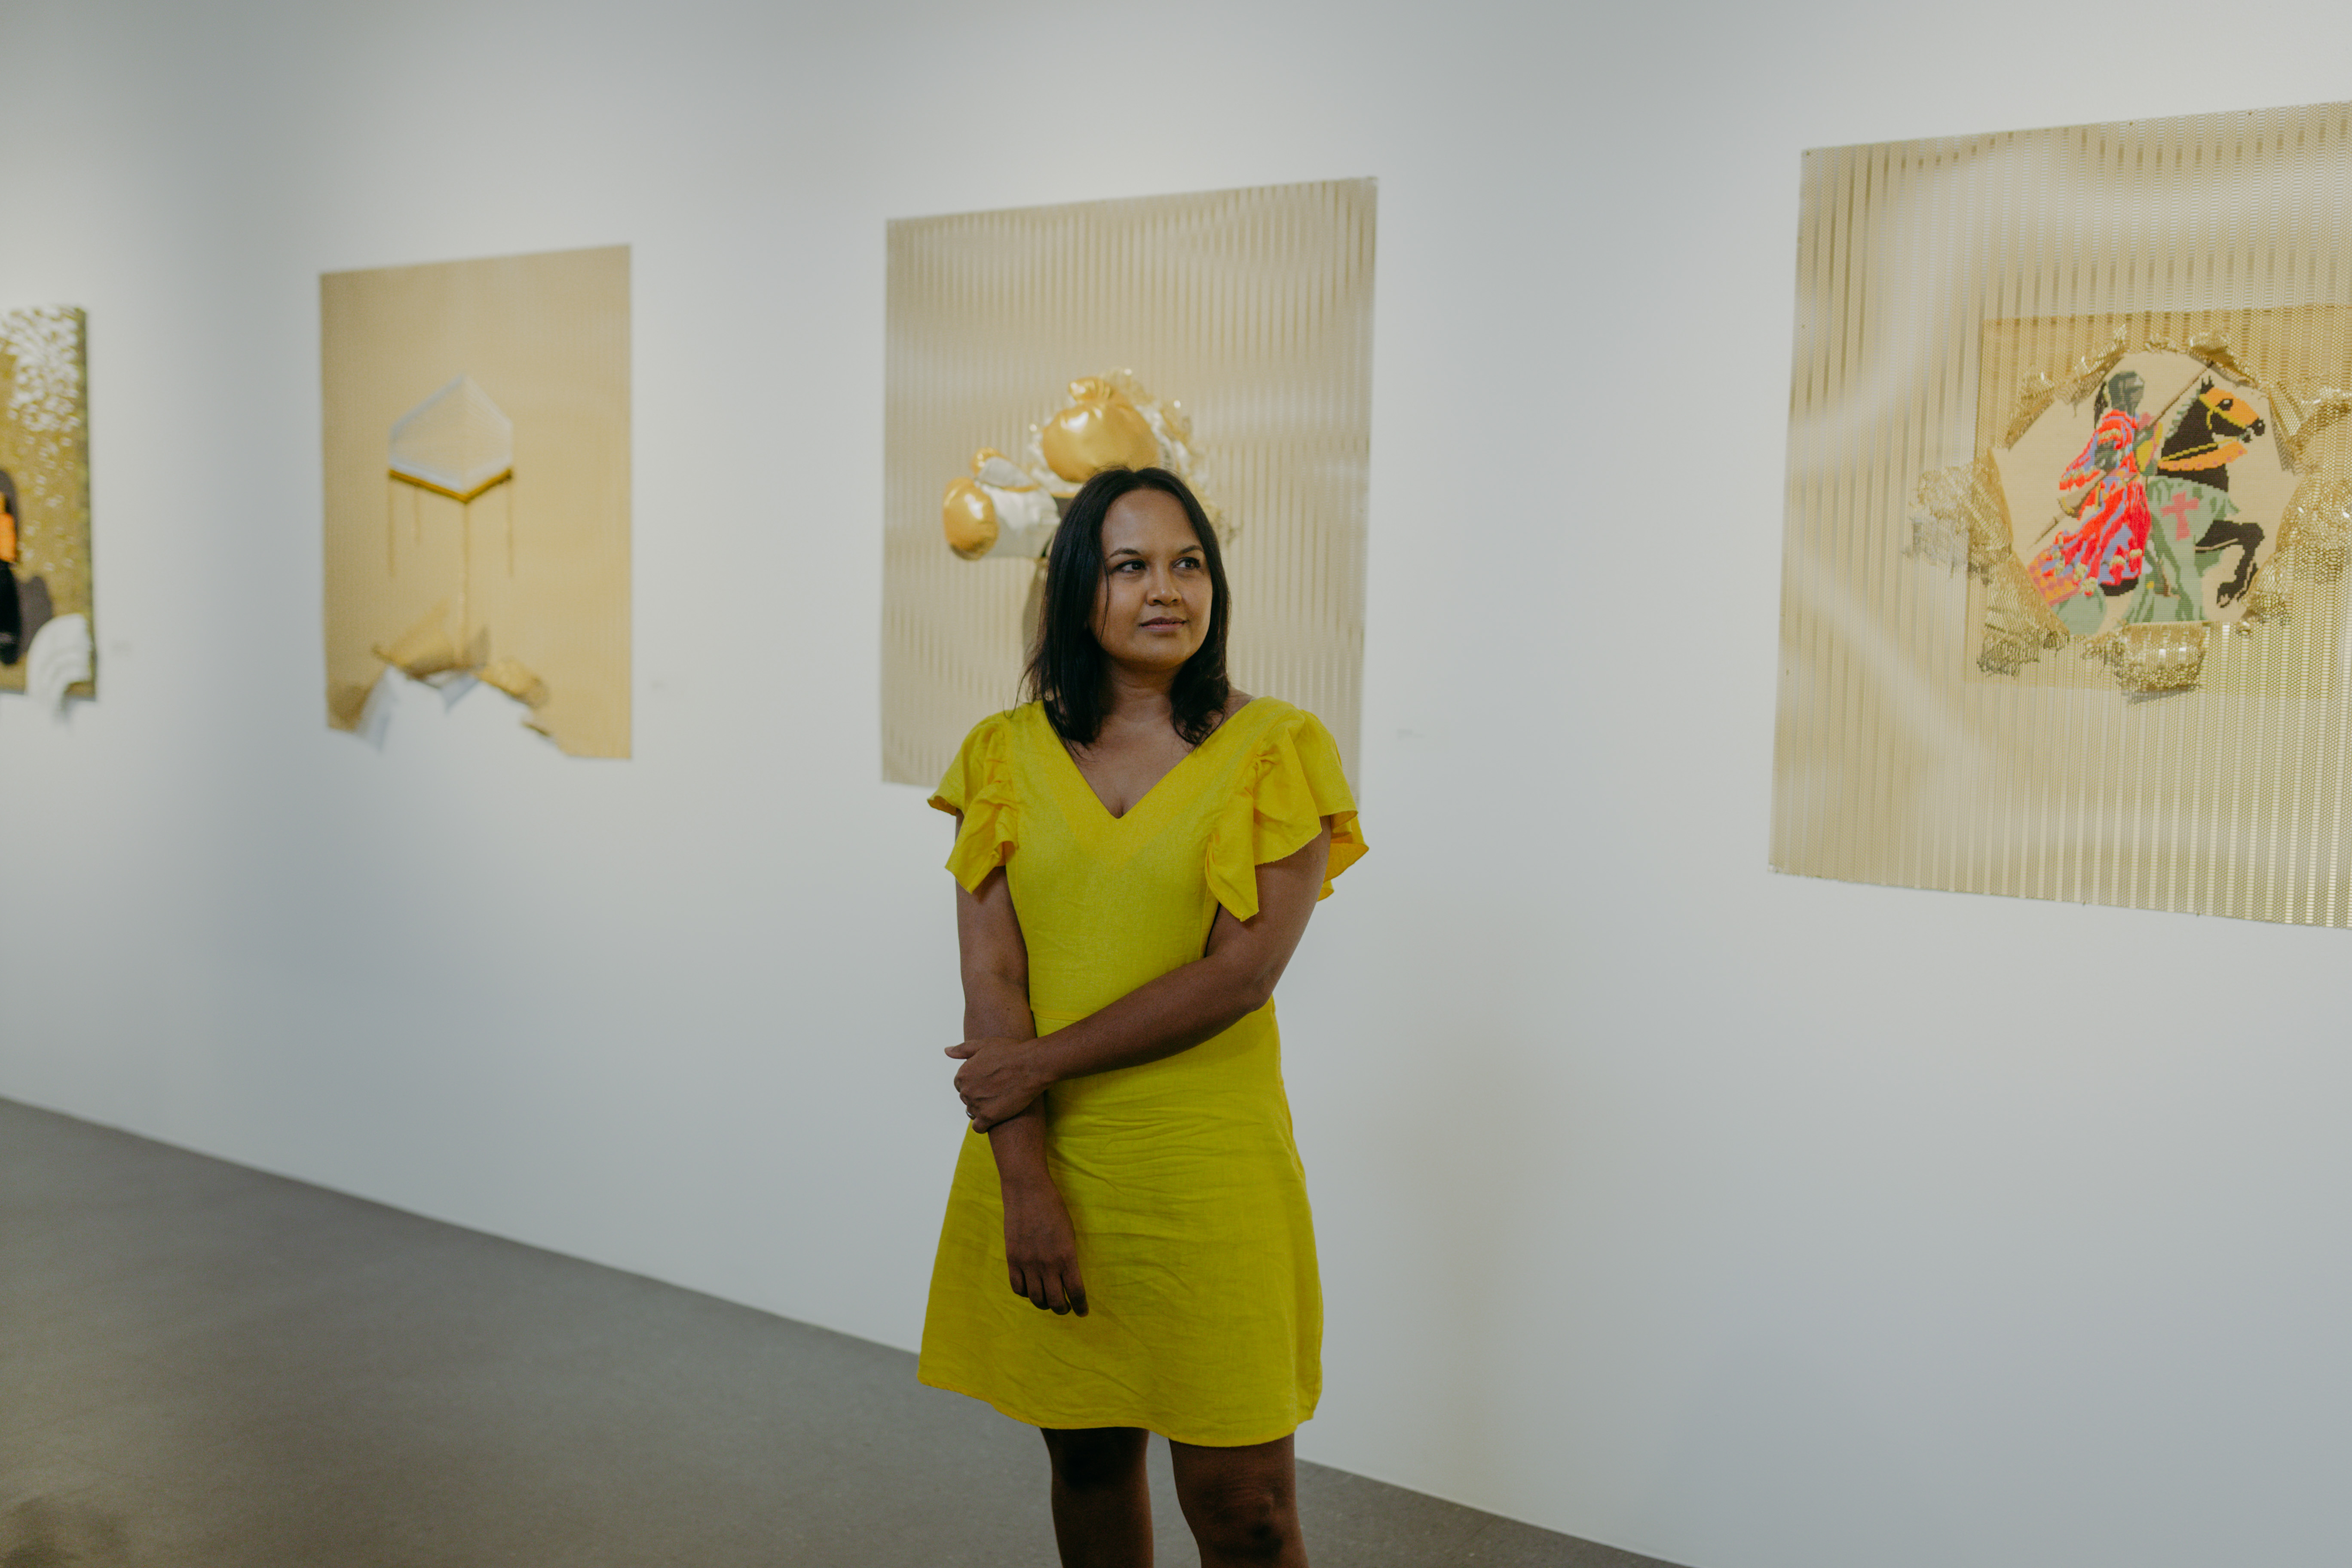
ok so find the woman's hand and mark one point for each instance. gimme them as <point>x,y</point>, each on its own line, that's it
<point>1040,1248</point>
<point>999,1080</point>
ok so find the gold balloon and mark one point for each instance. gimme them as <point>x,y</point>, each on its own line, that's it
<point>970,519</point>
<point>1100,430</point>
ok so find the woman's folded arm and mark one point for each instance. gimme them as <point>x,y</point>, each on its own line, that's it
<point>1041,1255</point>
<point>1004,1074</point>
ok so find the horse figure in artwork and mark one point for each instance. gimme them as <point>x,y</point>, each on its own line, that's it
<point>2145,511</point>
<point>2211,436</point>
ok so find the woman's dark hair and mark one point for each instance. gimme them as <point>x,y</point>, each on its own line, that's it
<point>1068,671</point>
<point>9,495</point>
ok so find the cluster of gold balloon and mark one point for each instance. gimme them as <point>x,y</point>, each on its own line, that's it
<point>1010,510</point>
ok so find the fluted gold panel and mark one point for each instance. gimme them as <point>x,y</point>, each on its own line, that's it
<point>1934,279</point>
<point>1253,308</point>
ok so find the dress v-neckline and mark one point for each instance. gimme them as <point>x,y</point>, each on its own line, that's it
<point>1144,799</point>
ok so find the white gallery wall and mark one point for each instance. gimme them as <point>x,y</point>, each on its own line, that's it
<point>1745,1220</point>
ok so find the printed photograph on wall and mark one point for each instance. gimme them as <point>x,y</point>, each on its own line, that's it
<point>46,646</point>
<point>477,448</point>
<point>1225,336</point>
<point>2069,502</point>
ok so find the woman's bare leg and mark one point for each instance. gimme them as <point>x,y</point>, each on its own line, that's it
<point>1241,1503</point>
<point>1102,1502</point>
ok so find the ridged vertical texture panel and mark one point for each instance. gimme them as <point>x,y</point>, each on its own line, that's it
<point>1932,278</point>
<point>1253,308</point>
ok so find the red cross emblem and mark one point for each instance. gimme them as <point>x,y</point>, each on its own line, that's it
<point>2179,509</point>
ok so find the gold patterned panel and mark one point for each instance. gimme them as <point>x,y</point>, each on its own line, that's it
<point>1252,307</point>
<point>45,448</point>
<point>1930,733</point>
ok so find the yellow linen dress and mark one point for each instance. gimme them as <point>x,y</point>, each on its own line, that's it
<point>1204,1317</point>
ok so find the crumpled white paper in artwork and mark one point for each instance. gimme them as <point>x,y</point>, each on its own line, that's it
<point>60,656</point>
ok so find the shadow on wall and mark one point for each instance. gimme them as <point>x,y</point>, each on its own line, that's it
<point>52,1533</point>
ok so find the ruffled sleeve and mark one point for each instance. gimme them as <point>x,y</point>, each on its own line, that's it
<point>1281,795</point>
<point>979,786</point>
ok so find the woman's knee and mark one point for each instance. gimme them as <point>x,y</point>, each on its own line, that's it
<point>1245,1519</point>
<point>1089,1458</point>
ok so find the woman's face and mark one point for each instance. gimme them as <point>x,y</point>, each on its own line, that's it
<point>1153,612</point>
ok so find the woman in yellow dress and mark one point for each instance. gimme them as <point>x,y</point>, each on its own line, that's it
<point>1127,1248</point>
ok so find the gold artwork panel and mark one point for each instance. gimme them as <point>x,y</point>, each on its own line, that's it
<point>1236,324</point>
<point>45,533</point>
<point>478,472</point>
<point>1987,682</point>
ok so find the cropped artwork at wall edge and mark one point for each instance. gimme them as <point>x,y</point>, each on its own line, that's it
<point>45,648</point>
<point>1225,336</point>
<point>477,430</point>
<point>2069,502</point>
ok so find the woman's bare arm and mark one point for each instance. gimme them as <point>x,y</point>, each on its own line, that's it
<point>1004,1074</point>
<point>1040,1244</point>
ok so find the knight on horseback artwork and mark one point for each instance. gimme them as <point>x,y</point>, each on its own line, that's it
<point>2146,528</point>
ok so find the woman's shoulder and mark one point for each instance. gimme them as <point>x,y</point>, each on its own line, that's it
<point>985,766</point>
<point>1000,729</point>
<point>1281,737</point>
<point>1264,718</point>
<point>1267,734</point>
<point>1287,783</point>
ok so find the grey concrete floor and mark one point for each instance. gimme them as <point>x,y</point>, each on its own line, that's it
<point>202,1366</point>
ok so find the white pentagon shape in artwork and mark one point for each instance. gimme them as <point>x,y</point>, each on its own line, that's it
<point>2158,500</point>
<point>456,441</point>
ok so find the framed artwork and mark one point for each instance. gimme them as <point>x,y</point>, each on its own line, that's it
<point>477,449</point>
<point>1225,335</point>
<point>46,642</point>
<point>2069,496</point>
